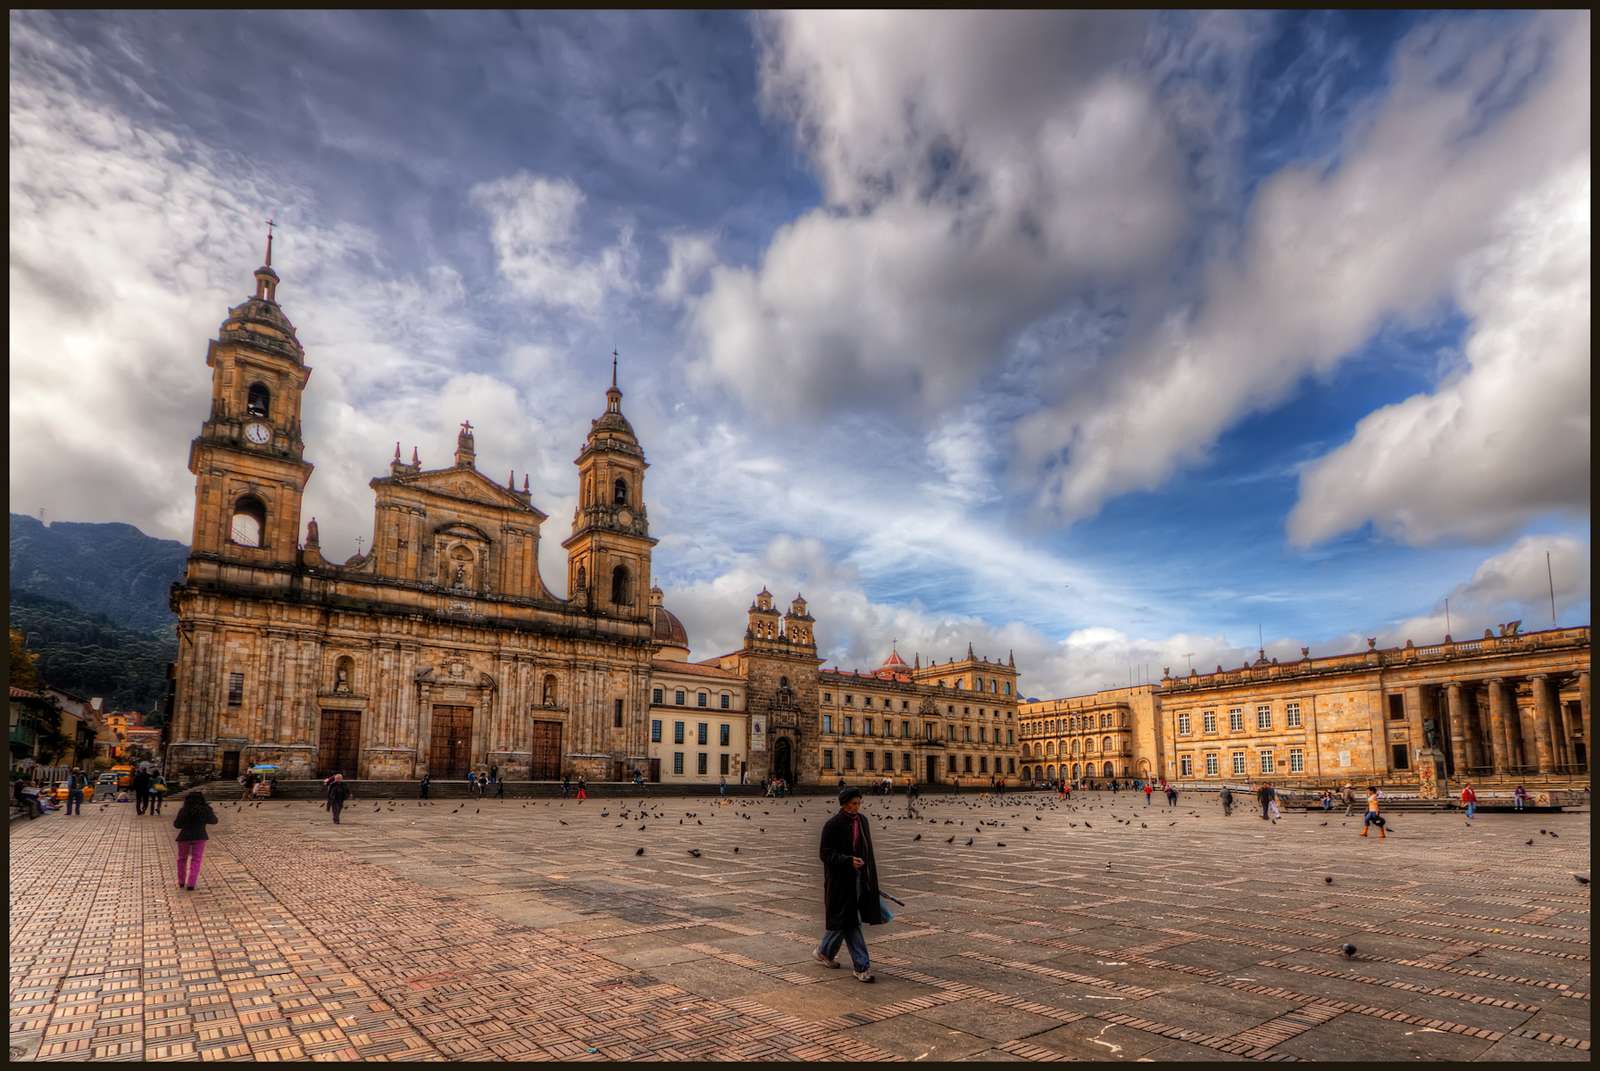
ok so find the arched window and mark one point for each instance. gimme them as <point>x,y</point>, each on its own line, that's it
<point>1107,770</point>
<point>1105,745</point>
<point>1050,773</point>
<point>994,687</point>
<point>980,684</point>
<point>583,581</point>
<point>620,491</point>
<point>620,587</point>
<point>1074,771</point>
<point>550,697</point>
<point>258,401</point>
<point>248,528</point>
<point>1088,745</point>
<point>1074,747</point>
<point>783,682</point>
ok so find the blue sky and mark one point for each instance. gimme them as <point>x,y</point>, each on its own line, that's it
<point>1106,338</point>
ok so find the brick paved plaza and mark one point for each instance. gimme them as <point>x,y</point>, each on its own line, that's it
<point>532,930</point>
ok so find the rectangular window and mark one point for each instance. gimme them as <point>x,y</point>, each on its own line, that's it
<point>1397,707</point>
<point>677,732</point>
<point>1185,766</point>
<point>967,763</point>
<point>655,730</point>
<point>1009,740</point>
<point>724,734</point>
<point>1236,720</point>
<point>700,763</point>
<point>235,689</point>
<point>723,763</point>
<point>1011,762</point>
<point>966,733</point>
<point>983,764</point>
<point>700,700</point>
<point>726,699</point>
<point>1297,760</point>
<point>983,734</point>
<point>930,728</point>
<point>656,696</point>
<point>1402,757</point>
<point>849,760</point>
<point>700,734</point>
<point>677,762</point>
<point>1266,762</point>
<point>905,760</point>
<point>677,697</point>
<point>1208,721</point>
<point>849,700</point>
<point>1238,763</point>
<point>870,757</point>
<point>616,714</point>
<point>950,763</point>
<point>888,761</point>
<point>1183,725</point>
<point>827,723</point>
<point>827,697</point>
<point>1263,717</point>
<point>905,705</point>
<point>905,729</point>
<point>1292,714</point>
<point>849,726</point>
<point>827,758</point>
<point>1211,765</point>
<point>866,729</point>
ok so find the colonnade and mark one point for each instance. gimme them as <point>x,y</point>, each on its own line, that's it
<point>1490,733</point>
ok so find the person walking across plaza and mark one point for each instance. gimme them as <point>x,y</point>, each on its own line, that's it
<point>141,789</point>
<point>722,787</point>
<point>1172,797</point>
<point>1274,812</point>
<point>499,787</point>
<point>338,792</point>
<point>422,787</point>
<point>75,782</point>
<point>583,789</point>
<point>1469,800</point>
<point>566,784</point>
<point>1373,818</point>
<point>1519,798</point>
<point>1149,790</point>
<point>158,791</point>
<point>1226,795</point>
<point>1349,798</point>
<point>849,886</point>
<point>191,822</point>
<point>1264,795</point>
<point>913,793</point>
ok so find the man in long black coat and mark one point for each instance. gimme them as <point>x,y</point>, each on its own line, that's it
<point>849,885</point>
<point>141,789</point>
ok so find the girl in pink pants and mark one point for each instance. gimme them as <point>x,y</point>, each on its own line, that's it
<point>191,822</point>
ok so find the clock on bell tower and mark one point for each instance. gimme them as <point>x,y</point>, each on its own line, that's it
<point>248,460</point>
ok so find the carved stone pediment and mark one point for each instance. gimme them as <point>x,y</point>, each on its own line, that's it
<point>469,485</point>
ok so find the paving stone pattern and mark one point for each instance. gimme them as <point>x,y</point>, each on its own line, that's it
<point>1098,929</point>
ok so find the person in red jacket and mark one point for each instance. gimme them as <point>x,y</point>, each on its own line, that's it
<point>1148,789</point>
<point>1469,800</point>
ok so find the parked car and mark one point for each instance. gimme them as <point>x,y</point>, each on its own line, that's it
<point>59,792</point>
<point>107,778</point>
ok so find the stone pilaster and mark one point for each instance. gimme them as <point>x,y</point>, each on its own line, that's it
<point>1499,737</point>
<point>1544,717</point>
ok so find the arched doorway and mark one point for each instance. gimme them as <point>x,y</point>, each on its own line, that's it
<point>783,759</point>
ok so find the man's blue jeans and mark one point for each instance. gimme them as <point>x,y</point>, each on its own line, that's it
<point>1518,802</point>
<point>832,939</point>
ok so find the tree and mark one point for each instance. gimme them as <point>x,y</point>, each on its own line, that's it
<point>24,663</point>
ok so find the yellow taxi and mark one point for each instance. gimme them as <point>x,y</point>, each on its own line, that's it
<point>59,792</point>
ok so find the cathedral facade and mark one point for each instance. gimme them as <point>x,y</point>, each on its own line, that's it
<point>438,649</point>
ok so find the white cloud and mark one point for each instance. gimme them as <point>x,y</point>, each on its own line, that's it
<point>976,170</point>
<point>690,255</point>
<point>1328,258</point>
<point>534,227</point>
<point>1509,437</point>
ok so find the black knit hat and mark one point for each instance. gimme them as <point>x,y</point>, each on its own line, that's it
<point>848,794</point>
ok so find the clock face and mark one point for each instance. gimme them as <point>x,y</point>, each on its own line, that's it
<point>258,433</point>
<point>624,517</point>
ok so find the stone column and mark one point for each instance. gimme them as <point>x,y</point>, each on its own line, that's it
<point>1499,738</point>
<point>1528,735</point>
<point>1583,707</point>
<point>1463,749</point>
<point>1561,735</point>
<point>1544,718</point>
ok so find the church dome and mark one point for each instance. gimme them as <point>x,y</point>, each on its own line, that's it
<point>670,637</point>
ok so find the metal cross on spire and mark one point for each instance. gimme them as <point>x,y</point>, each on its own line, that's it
<point>270,225</point>
<point>613,367</point>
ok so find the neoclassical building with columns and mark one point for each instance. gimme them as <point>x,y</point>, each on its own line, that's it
<point>1507,707</point>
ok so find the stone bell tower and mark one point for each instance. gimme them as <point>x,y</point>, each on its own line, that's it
<point>248,460</point>
<point>780,669</point>
<point>608,553</point>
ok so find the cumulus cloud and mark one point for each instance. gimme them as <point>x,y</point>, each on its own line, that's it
<point>534,227</point>
<point>1508,437</point>
<point>968,191</point>
<point>1475,115</point>
<point>690,256</point>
